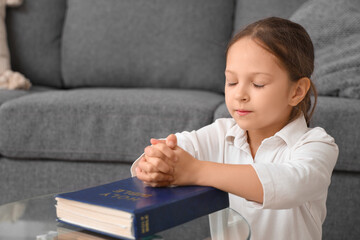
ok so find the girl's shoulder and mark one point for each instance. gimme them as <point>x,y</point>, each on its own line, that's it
<point>317,137</point>
<point>317,144</point>
<point>298,135</point>
<point>317,134</point>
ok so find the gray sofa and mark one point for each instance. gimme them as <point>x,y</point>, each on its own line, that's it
<point>108,75</point>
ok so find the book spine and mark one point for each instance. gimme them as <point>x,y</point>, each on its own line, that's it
<point>157,219</point>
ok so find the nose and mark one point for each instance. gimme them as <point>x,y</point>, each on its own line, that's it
<point>242,94</point>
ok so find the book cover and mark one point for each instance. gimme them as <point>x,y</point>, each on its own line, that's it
<point>138,210</point>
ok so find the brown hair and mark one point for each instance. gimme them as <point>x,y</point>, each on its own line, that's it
<point>291,44</point>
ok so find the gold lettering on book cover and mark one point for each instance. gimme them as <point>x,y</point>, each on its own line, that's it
<point>125,195</point>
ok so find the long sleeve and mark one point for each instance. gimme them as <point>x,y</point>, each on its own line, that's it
<point>304,177</point>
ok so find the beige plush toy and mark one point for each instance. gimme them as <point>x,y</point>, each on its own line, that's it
<point>8,78</point>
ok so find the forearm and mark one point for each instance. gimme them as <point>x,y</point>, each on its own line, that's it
<point>240,180</point>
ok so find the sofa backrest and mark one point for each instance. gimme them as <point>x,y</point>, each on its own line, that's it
<point>248,11</point>
<point>146,43</point>
<point>121,43</point>
<point>130,43</point>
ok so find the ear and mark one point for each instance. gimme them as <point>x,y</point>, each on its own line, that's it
<point>299,91</point>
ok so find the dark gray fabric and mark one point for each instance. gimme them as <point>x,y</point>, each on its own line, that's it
<point>99,124</point>
<point>34,33</point>
<point>343,212</point>
<point>142,43</point>
<point>222,112</point>
<point>336,34</point>
<point>7,95</point>
<point>249,11</point>
<point>20,179</point>
<point>340,118</point>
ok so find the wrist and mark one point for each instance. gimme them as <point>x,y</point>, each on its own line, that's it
<point>200,173</point>
<point>192,172</point>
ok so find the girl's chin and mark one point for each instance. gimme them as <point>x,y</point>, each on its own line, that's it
<point>246,125</point>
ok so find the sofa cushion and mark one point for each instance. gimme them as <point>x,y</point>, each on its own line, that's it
<point>141,43</point>
<point>99,124</point>
<point>7,95</point>
<point>342,216</point>
<point>249,11</point>
<point>33,177</point>
<point>334,28</point>
<point>222,112</point>
<point>340,118</point>
<point>34,33</point>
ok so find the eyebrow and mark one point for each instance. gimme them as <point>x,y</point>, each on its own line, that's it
<point>253,73</point>
<point>229,71</point>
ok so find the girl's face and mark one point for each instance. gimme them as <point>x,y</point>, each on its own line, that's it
<point>257,89</point>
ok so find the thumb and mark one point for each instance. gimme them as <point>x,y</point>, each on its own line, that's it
<point>171,141</point>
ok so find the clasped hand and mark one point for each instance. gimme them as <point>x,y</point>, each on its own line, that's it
<point>164,163</point>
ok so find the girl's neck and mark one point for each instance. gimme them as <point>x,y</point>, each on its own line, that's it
<point>254,141</point>
<point>255,137</point>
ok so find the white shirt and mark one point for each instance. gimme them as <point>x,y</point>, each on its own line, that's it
<point>294,167</point>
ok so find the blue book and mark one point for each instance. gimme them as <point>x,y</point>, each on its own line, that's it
<point>129,209</point>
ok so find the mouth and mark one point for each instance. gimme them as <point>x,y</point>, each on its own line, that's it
<point>243,112</point>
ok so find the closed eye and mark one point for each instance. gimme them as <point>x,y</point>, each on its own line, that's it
<point>258,85</point>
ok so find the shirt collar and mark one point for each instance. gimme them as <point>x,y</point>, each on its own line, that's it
<point>293,131</point>
<point>236,135</point>
<point>290,134</point>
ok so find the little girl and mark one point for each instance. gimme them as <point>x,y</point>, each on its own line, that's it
<point>277,170</point>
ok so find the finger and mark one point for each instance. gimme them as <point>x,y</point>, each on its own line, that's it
<point>160,177</point>
<point>147,181</point>
<point>156,177</point>
<point>145,166</point>
<point>151,151</point>
<point>160,159</point>
<point>138,171</point>
<point>171,141</point>
<point>160,165</point>
<point>153,165</point>
<point>168,152</point>
<point>140,174</point>
<point>155,141</point>
<point>158,184</point>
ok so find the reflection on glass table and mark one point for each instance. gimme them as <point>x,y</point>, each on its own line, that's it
<point>35,218</point>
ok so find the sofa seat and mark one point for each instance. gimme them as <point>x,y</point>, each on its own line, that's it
<point>25,178</point>
<point>99,124</point>
<point>6,95</point>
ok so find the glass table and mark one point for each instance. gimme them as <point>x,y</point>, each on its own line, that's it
<point>35,218</point>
